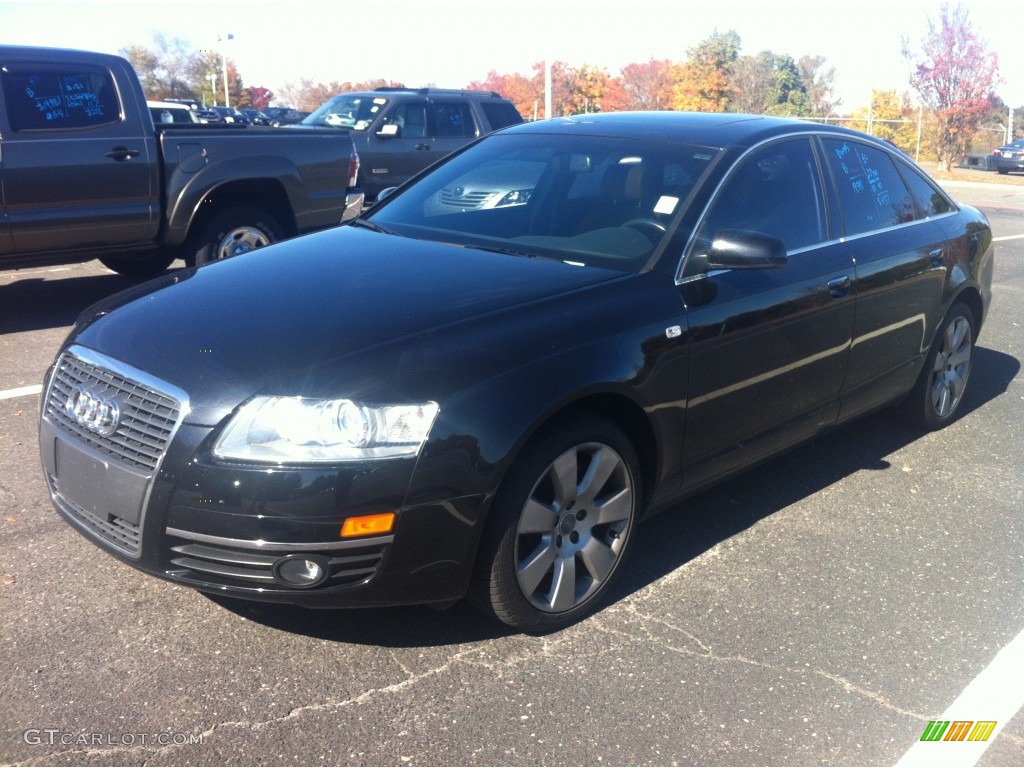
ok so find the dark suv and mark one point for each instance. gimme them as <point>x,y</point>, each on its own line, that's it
<point>400,131</point>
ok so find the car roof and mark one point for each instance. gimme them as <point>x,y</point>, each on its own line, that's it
<point>715,129</point>
<point>391,92</point>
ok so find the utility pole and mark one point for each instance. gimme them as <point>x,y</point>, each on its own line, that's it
<point>224,59</point>
<point>547,89</point>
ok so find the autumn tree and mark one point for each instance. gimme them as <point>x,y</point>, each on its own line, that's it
<point>259,97</point>
<point>703,81</point>
<point>890,117</point>
<point>308,95</point>
<point>645,86</point>
<point>954,75</point>
<point>517,88</point>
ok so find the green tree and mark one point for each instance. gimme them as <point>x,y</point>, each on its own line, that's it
<point>954,76</point>
<point>164,70</point>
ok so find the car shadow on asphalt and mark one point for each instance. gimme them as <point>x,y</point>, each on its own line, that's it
<point>665,542</point>
<point>36,304</point>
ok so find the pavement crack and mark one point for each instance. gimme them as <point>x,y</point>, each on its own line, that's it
<point>706,651</point>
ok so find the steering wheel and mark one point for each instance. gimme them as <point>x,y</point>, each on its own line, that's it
<point>649,227</point>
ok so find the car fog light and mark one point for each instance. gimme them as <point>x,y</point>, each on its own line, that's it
<point>301,571</point>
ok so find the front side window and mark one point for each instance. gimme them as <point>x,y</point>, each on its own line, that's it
<point>47,97</point>
<point>776,190</point>
<point>410,120</point>
<point>871,190</point>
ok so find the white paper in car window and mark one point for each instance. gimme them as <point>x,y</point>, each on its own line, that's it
<point>667,204</point>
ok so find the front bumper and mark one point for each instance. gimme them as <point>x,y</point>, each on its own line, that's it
<point>159,501</point>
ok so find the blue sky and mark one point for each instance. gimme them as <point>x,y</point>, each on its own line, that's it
<point>452,42</point>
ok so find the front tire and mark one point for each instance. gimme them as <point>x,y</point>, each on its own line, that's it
<point>560,527</point>
<point>234,232</point>
<point>938,395</point>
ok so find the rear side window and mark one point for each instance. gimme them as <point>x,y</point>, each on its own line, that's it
<point>500,114</point>
<point>55,98</point>
<point>452,119</point>
<point>929,199</point>
<point>871,191</point>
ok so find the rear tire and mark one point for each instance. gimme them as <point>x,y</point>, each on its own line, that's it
<point>234,232</point>
<point>560,527</point>
<point>938,395</point>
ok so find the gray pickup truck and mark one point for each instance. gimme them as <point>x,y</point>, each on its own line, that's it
<point>85,173</point>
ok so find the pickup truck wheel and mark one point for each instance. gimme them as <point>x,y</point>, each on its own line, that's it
<point>234,232</point>
<point>139,265</point>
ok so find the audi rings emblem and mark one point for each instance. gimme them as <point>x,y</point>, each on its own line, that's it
<point>95,413</point>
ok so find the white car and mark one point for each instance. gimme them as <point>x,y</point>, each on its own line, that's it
<point>171,112</point>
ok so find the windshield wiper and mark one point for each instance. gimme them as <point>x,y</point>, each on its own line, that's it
<point>496,249</point>
<point>373,226</point>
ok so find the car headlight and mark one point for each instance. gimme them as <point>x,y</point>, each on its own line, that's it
<point>516,197</point>
<point>284,430</point>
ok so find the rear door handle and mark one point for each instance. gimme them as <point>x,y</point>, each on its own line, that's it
<point>122,153</point>
<point>422,146</point>
<point>839,287</point>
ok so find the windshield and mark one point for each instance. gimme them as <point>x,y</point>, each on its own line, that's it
<point>587,200</point>
<point>348,111</point>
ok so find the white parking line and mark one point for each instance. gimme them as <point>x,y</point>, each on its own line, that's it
<point>16,274</point>
<point>1008,237</point>
<point>8,394</point>
<point>996,694</point>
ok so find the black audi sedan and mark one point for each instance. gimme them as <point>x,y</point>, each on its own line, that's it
<point>481,387</point>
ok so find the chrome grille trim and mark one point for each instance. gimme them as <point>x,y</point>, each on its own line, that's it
<point>151,410</point>
<point>469,201</point>
<point>279,546</point>
<point>218,558</point>
<point>156,412</point>
<point>120,534</point>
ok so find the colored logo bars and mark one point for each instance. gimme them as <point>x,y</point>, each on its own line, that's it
<point>958,730</point>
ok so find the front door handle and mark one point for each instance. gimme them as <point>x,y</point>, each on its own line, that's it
<point>839,287</point>
<point>422,146</point>
<point>122,153</point>
<point>936,257</point>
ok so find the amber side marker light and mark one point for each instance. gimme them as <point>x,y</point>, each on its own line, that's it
<point>368,525</point>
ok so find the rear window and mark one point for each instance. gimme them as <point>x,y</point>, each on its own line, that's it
<point>57,98</point>
<point>500,113</point>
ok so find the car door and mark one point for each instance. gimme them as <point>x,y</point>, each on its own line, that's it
<point>900,275</point>
<point>6,244</point>
<point>77,171</point>
<point>768,347</point>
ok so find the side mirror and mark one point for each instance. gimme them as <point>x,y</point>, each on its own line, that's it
<point>385,193</point>
<point>389,131</point>
<point>743,249</point>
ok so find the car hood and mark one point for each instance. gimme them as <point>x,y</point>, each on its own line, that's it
<point>269,321</point>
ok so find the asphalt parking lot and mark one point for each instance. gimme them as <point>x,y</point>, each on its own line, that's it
<point>821,609</point>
